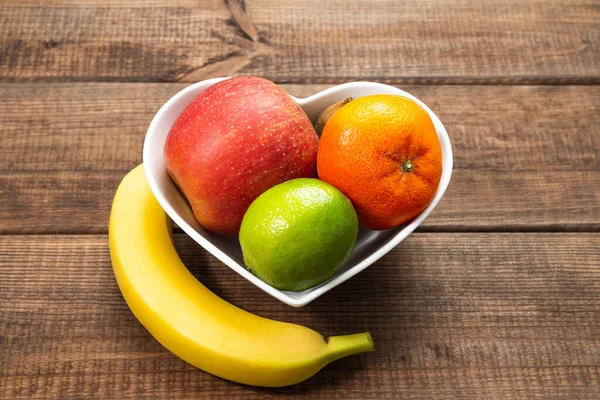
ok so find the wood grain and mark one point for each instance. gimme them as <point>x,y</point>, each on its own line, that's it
<point>461,316</point>
<point>311,41</point>
<point>526,158</point>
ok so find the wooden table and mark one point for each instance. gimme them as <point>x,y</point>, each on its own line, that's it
<point>496,296</point>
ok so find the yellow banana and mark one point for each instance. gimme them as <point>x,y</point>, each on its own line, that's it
<point>191,321</point>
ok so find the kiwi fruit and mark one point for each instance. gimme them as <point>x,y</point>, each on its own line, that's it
<point>328,113</point>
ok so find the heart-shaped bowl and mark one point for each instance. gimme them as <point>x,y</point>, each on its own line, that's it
<point>370,246</point>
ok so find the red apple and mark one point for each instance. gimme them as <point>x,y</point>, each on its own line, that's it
<point>237,139</point>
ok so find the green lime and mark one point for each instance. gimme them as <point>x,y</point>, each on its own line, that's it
<point>297,234</point>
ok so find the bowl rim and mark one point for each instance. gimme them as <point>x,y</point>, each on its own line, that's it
<point>447,168</point>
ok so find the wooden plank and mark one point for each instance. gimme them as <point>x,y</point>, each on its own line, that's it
<point>111,3</point>
<point>526,158</point>
<point>462,316</point>
<point>311,41</point>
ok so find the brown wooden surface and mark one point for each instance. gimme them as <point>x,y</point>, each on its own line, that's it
<point>458,315</point>
<point>496,297</point>
<point>526,157</point>
<point>459,41</point>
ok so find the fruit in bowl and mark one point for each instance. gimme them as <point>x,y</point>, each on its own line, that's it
<point>237,139</point>
<point>297,234</point>
<point>371,244</point>
<point>383,152</point>
<point>244,135</point>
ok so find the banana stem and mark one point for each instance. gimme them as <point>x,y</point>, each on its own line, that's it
<point>347,345</point>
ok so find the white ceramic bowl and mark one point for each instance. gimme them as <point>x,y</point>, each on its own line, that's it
<point>371,245</point>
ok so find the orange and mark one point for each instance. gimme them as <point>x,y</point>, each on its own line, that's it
<point>382,151</point>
